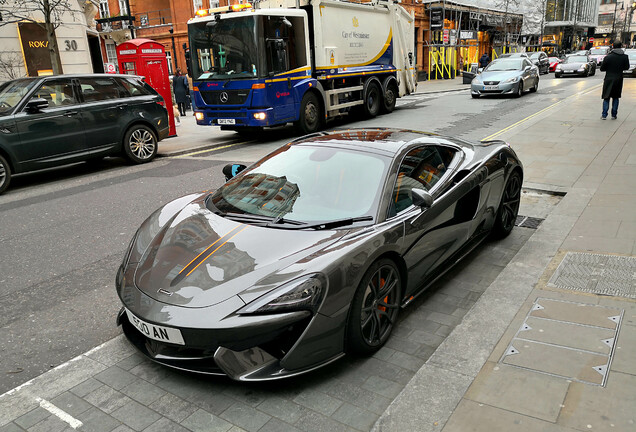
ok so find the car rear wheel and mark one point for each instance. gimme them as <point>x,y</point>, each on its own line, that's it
<point>375,308</point>
<point>5,174</point>
<point>509,207</point>
<point>140,144</point>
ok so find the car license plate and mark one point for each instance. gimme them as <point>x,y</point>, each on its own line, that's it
<point>226,121</point>
<point>163,334</point>
<point>491,87</point>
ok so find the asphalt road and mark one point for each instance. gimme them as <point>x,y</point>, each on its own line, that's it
<point>63,232</point>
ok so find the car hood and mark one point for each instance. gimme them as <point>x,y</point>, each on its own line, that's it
<point>572,66</point>
<point>200,259</point>
<point>499,75</point>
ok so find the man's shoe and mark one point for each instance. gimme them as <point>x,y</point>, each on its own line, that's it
<point>603,118</point>
<point>613,117</point>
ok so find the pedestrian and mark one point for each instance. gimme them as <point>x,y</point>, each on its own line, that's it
<point>484,60</point>
<point>614,64</point>
<point>180,89</point>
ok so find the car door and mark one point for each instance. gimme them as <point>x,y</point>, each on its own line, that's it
<point>432,235</point>
<point>53,135</point>
<point>103,112</point>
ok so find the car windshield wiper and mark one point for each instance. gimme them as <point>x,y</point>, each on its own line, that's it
<point>250,217</point>
<point>332,224</point>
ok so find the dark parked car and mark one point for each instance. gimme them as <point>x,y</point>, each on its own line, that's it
<point>311,252</point>
<point>540,60</point>
<point>577,65</point>
<point>56,120</point>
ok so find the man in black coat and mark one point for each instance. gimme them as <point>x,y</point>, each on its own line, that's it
<point>614,64</point>
<point>180,89</point>
<point>484,60</point>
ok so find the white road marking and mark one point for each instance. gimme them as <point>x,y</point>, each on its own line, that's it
<point>61,414</point>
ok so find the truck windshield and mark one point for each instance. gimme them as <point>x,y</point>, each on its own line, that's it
<point>224,49</point>
<point>12,92</point>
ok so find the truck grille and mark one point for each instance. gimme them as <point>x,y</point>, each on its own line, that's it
<point>225,97</point>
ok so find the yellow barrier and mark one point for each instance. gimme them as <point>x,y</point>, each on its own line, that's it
<point>441,58</point>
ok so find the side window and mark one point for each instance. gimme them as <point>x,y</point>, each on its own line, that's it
<point>135,88</point>
<point>57,93</point>
<point>421,168</point>
<point>100,89</point>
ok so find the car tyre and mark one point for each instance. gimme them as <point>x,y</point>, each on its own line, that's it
<point>390,98</point>
<point>5,174</point>
<point>535,87</point>
<point>310,114</point>
<point>519,92</point>
<point>508,207</point>
<point>372,100</point>
<point>556,75</point>
<point>140,144</point>
<point>374,308</point>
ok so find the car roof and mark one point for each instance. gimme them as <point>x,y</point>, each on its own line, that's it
<point>93,75</point>
<point>384,141</point>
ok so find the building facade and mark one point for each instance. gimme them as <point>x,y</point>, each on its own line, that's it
<point>24,45</point>
<point>616,22</point>
<point>570,23</point>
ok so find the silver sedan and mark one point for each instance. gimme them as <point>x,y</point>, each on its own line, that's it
<point>506,76</point>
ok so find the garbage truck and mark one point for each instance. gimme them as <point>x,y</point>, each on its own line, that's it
<point>300,61</point>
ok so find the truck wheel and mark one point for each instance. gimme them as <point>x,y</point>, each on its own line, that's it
<point>372,100</point>
<point>310,114</point>
<point>390,97</point>
<point>140,144</point>
<point>5,174</point>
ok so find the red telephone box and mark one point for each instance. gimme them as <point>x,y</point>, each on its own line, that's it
<point>147,58</point>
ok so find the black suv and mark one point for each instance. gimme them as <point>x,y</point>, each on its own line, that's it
<point>56,120</point>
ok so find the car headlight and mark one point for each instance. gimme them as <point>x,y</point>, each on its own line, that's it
<point>476,80</point>
<point>558,67</point>
<point>304,293</point>
<point>582,68</point>
<point>512,80</point>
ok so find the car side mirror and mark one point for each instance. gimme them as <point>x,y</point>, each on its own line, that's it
<point>36,105</point>
<point>421,198</point>
<point>527,68</point>
<point>230,170</point>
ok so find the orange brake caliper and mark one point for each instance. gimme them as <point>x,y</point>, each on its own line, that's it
<point>386,299</point>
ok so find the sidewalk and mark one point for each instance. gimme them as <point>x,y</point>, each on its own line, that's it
<point>191,137</point>
<point>551,345</point>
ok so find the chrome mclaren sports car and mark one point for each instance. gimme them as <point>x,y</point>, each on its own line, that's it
<point>311,252</point>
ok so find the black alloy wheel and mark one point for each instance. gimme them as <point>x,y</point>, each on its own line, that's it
<point>372,100</point>
<point>375,308</point>
<point>509,207</point>
<point>390,98</point>
<point>310,114</point>
<point>5,174</point>
<point>140,144</point>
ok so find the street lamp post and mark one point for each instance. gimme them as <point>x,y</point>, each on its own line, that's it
<point>614,20</point>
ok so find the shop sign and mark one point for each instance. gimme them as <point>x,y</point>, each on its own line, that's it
<point>127,52</point>
<point>437,18</point>
<point>35,46</point>
<point>468,34</point>
<point>151,50</point>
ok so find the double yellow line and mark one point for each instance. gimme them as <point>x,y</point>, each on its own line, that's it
<point>530,117</point>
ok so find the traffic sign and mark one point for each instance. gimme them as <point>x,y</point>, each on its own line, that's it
<point>591,40</point>
<point>111,68</point>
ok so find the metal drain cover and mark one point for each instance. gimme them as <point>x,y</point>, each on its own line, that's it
<point>609,275</point>
<point>574,341</point>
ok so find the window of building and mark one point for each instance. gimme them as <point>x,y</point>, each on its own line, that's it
<point>198,4</point>
<point>103,9</point>
<point>123,10</point>
<point>111,53</point>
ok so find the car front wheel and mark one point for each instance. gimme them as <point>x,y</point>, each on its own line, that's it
<point>140,144</point>
<point>310,114</point>
<point>509,207</point>
<point>5,174</point>
<point>375,308</point>
<point>519,92</point>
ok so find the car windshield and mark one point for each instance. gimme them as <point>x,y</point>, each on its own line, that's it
<point>224,49</point>
<point>306,184</point>
<point>507,64</point>
<point>576,59</point>
<point>12,92</point>
<point>596,51</point>
<point>535,55</point>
